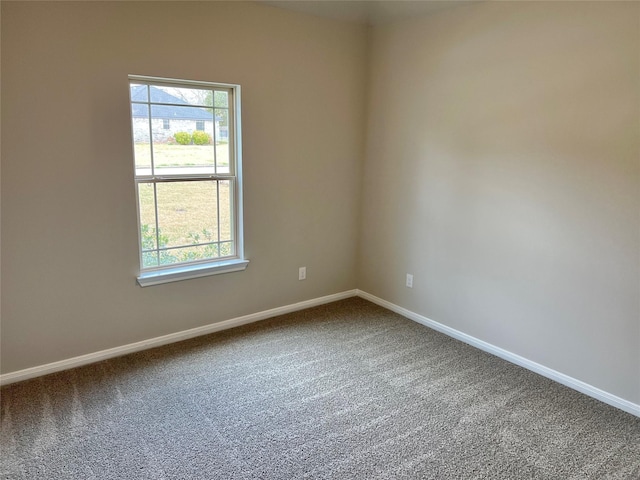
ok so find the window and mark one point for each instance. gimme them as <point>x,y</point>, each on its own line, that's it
<point>188,185</point>
<point>165,123</point>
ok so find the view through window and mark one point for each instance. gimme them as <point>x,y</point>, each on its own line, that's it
<point>186,171</point>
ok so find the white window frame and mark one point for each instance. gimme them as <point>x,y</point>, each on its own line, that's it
<point>200,268</point>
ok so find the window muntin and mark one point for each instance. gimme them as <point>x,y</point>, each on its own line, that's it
<point>187,180</point>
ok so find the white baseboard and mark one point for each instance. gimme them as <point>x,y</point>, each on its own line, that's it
<point>38,371</point>
<point>566,380</point>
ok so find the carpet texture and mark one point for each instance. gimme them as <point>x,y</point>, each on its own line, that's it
<point>347,390</point>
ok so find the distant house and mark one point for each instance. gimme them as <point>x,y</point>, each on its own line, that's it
<point>174,115</point>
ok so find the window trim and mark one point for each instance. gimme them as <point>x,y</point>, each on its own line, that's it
<point>185,272</point>
<point>201,268</point>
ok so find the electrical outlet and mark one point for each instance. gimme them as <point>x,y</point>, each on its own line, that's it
<point>302,273</point>
<point>409,280</point>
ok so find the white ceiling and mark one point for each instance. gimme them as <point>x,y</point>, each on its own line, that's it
<point>373,12</point>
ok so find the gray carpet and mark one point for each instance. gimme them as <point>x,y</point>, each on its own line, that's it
<point>347,390</point>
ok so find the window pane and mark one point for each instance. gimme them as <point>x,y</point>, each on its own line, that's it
<point>226,210</point>
<point>186,147</point>
<point>149,259</point>
<point>222,140</point>
<point>222,155</point>
<point>139,93</point>
<point>181,95</point>
<point>146,203</point>
<point>148,237</point>
<point>221,98</point>
<point>189,254</point>
<point>226,249</point>
<point>187,212</point>
<point>141,145</point>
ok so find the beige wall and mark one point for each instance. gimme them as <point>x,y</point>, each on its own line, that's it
<point>503,172</point>
<point>69,254</point>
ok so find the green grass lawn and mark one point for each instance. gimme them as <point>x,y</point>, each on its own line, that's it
<point>187,209</point>
<point>181,155</point>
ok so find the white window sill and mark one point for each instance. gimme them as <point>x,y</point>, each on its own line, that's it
<point>158,277</point>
